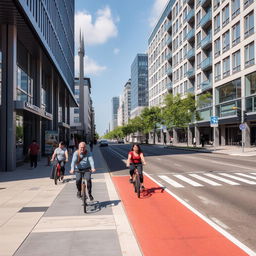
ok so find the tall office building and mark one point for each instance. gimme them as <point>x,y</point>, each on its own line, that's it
<point>127,101</point>
<point>37,75</point>
<point>115,106</point>
<point>139,84</point>
<point>201,46</point>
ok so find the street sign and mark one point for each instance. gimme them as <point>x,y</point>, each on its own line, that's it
<point>242,127</point>
<point>214,121</point>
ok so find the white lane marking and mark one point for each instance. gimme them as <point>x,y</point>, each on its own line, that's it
<point>213,183</point>
<point>171,182</point>
<point>238,178</point>
<point>207,220</point>
<point>221,179</point>
<point>246,175</point>
<point>189,181</point>
<point>253,173</point>
<point>179,165</point>
<point>159,159</point>
<point>220,223</point>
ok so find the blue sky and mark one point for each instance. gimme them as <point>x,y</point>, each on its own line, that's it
<point>115,31</point>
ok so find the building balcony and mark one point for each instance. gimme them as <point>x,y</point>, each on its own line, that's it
<point>207,19</point>
<point>169,56</point>
<point>191,34</point>
<point>191,54</point>
<point>169,40</point>
<point>204,3</point>
<point>190,15</point>
<point>190,73</point>
<point>169,86</point>
<point>169,71</point>
<point>207,42</point>
<point>207,84</point>
<point>206,63</point>
<point>168,26</point>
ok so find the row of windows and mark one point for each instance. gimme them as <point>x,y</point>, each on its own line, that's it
<point>158,88</point>
<point>249,59</point>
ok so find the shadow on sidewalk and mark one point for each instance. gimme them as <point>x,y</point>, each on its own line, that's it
<point>96,206</point>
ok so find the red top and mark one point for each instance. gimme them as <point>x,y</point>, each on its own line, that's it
<point>34,148</point>
<point>135,159</point>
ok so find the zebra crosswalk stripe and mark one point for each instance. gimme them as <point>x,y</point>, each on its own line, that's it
<point>221,179</point>
<point>171,182</point>
<point>238,178</point>
<point>189,181</point>
<point>246,175</point>
<point>213,183</point>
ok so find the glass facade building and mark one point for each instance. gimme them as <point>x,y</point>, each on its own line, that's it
<point>139,81</point>
<point>36,75</point>
<point>115,106</point>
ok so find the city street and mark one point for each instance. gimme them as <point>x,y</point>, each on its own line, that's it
<point>220,187</point>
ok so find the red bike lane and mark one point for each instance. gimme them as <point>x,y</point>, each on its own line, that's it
<point>164,226</point>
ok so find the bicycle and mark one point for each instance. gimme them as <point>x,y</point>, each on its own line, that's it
<point>83,189</point>
<point>136,182</point>
<point>57,173</point>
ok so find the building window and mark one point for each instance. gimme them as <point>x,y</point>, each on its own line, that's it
<point>225,41</point>
<point>217,47</point>
<point>235,6</point>
<point>76,111</point>
<point>250,84</point>
<point>216,4</point>
<point>249,54</point>
<point>236,61</point>
<point>198,60</point>
<point>217,23</point>
<point>198,39</point>
<point>236,34</point>
<point>226,67</point>
<point>247,3</point>
<point>76,120</point>
<point>198,18</point>
<point>248,24</point>
<point>225,15</point>
<point>198,82</point>
<point>24,86</point>
<point>217,71</point>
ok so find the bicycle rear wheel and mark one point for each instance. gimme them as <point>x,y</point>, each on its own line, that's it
<point>137,185</point>
<point>84,199</point>
<point>56,177</point>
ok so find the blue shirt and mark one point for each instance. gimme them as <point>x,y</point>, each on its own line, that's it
<point>85,163</point>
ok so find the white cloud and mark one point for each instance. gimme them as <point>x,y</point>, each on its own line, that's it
<point>116,51</point>
<point>96,31</point>
<point>156,11</point>
<point>90,66</point>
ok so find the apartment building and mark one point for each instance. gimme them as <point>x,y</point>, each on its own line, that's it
<point>207,46</point>
<point>115,106</point>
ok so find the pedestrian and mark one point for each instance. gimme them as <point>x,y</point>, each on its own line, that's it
<point>71,144</point>
<point>194,141</point>
<point>91,145</point>
<point>83,161</point>
<point>33,151</point>
<point>171,140</point>
<point>202,140</point>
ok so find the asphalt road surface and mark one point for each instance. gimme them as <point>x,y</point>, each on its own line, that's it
<point>221,187</point>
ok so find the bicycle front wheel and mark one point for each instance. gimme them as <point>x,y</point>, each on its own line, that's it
<point>137,185</point>
<point>84,199</point>
<point>56,177</point>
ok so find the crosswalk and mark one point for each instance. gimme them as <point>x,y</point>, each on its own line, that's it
<point>204,179</point>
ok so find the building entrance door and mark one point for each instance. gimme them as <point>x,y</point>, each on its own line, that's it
<point>233,136</point>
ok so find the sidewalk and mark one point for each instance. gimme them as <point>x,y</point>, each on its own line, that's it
<point>228,150</point>
<point>39,218</point>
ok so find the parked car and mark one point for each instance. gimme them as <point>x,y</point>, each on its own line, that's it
<point>103,143</point>
<point>121,141</point>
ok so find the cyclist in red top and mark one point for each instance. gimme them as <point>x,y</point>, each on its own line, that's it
<point>136,159</point>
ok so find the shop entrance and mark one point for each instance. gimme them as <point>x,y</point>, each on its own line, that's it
<point>233,136</point>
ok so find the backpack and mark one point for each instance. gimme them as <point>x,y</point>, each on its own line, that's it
<point>79,157</point>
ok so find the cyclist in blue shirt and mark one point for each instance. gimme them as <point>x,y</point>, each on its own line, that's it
<point>83,160</point>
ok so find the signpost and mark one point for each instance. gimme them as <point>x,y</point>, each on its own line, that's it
<point>214,121</point>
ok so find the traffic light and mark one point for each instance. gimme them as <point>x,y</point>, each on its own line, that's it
<point>239,115</point>
<point>245,116</point>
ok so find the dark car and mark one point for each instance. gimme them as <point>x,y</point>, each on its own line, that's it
<point>120,141</point>
<point>103,143</point>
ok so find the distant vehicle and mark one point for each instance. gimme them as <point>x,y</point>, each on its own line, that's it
<point>103,143</point>
<point>120,141</point>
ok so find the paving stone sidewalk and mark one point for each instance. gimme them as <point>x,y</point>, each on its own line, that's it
<point>39,218</point>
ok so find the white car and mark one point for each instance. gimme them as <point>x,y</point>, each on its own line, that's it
<point>103,143</point>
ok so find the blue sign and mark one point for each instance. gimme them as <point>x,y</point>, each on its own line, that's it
<point>214,120</point>
<point>242,127</point>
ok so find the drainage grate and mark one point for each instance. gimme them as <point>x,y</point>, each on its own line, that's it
<point>33,209</point>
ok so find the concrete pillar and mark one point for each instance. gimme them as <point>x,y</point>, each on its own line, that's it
<point>223,135</point>
<point>216,136</point>
<point>8,114</point>
<point>175,136</point>
<point>247,136</point>
<point>197,135</point>
<point>190,136</point>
